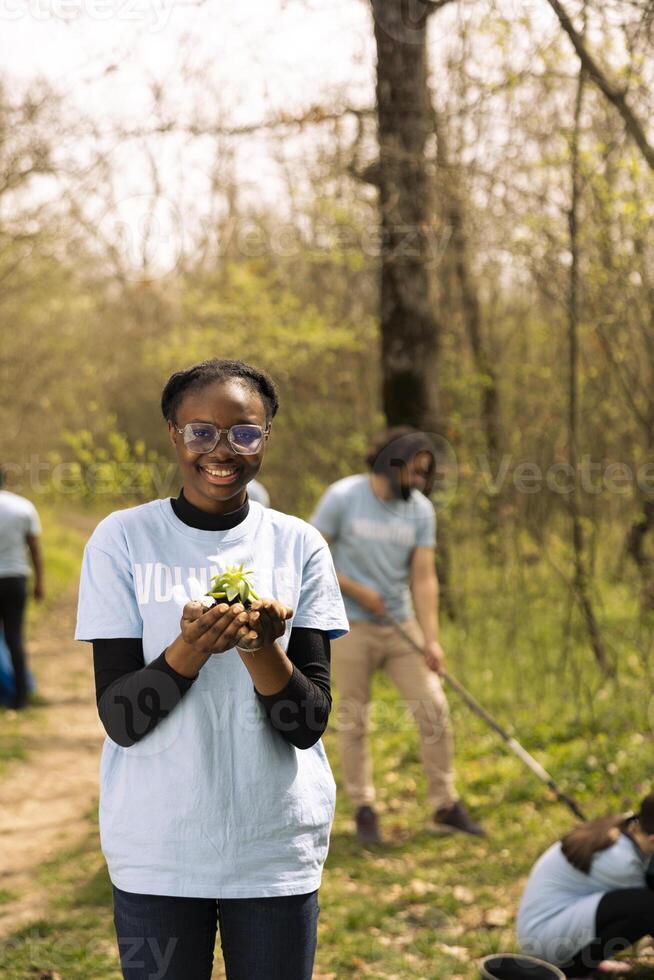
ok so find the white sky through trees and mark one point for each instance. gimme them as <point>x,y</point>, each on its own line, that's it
<point>205,63</point>
<point>266,54</point>
<point>124,67</point>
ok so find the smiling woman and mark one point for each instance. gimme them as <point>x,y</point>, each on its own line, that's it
<point>209,814</point>
<point>202,406</point>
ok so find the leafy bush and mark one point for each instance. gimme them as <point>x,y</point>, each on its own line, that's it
<point>108,466</point>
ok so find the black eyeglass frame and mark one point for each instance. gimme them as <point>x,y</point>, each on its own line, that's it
<point>264,433</point>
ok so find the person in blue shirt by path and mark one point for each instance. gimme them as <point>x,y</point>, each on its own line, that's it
<point>589,896</point>
<point>382,528</point>
<point>257,491</point>
<point>216,796</point>
<point>20,531</point>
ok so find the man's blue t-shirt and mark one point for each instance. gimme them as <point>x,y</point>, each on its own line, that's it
<point>214,802</point>
<point>373,540</point>
<point>18,517</point>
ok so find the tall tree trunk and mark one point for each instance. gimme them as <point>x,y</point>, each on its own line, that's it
<point>410,328</point>
<point>636,386</point>
<point>581,583</point>
<point>635,547</point>
<point>459,277</point>
<point>409,325</point>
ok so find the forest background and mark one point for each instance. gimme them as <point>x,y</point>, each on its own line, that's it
<point>137,243</point>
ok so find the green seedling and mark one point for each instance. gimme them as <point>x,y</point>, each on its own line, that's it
<point>233,585</point>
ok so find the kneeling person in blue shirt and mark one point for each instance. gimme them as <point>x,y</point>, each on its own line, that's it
<point>587,897</point>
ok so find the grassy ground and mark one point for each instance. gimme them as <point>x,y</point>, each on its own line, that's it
<point>422,905</point>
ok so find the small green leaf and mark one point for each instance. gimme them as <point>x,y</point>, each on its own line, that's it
<point>232,592</point>
<point>244,590</point>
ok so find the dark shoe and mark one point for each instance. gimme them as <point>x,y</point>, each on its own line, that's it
<point>456,817</point>
<point>367,826</point>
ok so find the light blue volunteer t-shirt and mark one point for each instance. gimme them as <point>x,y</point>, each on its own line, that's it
<point>373,540</point>
<point>214,802</point>
<point>18,517</point>
<point>557,912</point>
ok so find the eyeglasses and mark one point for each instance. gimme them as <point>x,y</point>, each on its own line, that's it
<point>203,437</point>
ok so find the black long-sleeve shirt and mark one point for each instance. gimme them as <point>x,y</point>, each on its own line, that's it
<point>133,697</point>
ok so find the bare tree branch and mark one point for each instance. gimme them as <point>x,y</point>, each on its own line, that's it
<point>314,115</point>
<point>614,94</point>
<point>628,383</point>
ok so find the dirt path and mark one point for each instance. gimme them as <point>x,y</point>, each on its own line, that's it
<point>45,800</point>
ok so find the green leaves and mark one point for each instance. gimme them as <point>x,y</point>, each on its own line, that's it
<point>233,582</point>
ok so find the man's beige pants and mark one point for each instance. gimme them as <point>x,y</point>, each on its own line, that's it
<point>370,646</point>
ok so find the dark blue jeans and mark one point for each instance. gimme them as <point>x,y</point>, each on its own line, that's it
<point>165,938</point>
<point>13,599</point>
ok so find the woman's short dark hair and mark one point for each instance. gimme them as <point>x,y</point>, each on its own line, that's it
<point>218,369</point>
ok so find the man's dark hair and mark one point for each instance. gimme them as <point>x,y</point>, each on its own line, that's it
<point>218,369</point>
<point>391,451</point>
<point>401,442</point>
